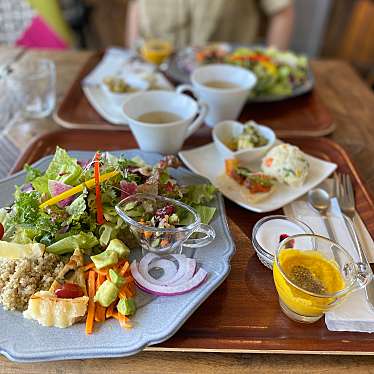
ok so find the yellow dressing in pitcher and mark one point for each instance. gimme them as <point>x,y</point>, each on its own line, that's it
<point>312,272</point>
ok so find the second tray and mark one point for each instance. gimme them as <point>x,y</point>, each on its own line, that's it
<point>311,118</point>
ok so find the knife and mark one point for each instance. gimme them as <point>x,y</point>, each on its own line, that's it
<point>369,288</point>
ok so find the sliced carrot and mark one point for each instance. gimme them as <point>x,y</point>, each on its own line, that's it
<point>164,242</point>
<point>129,279</point>
<point>123,320</point>
<point>124,268</point>
<point>125,292</point>
<point>88,266</point>
<point>91,304</point>
<point>147,234</point>
<point>101,271</point>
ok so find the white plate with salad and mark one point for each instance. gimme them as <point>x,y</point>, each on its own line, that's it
<point>280,75</point>
<point>61,229</point>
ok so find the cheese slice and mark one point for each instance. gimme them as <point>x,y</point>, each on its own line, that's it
<point>49,310</point>
<point>15,250</point>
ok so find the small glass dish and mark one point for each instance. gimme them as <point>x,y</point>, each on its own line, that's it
<point>266,235</point>
<point>313,274</point>
<point>163,240</point>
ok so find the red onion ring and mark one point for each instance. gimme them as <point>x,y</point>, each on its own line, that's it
<point>169,268</point>
<point>184,279</point>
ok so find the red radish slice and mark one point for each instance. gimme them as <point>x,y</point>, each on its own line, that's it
<point>169,268</point>
<point>56,188</point>
<point>158,290</point>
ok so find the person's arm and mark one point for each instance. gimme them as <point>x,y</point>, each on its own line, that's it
<point>280,28</point>
<point>132,23</point>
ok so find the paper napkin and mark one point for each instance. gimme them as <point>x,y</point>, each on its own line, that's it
<point>355,313</point>
<point>117,61</point>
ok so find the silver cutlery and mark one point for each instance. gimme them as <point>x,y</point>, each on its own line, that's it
<point>345,194</point>
<point>320,200</point>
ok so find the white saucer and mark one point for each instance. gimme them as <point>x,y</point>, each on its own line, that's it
<point>207,161</point>
<point>109,109</point>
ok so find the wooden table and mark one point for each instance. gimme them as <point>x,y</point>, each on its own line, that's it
<point>351,103</point>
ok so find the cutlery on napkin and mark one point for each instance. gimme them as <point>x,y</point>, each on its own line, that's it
<point>354,314</point>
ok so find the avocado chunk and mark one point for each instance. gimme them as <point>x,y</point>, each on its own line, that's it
<point>118,246</point>
<point>106,293</point>
<point>116,279</point>
<point>126,307</point>
<point>106,258</point>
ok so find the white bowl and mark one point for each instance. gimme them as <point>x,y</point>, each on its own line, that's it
<point>118,98</point>
<point>226,130</point>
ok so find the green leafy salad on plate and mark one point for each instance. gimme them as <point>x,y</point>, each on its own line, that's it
<point>72,204</point>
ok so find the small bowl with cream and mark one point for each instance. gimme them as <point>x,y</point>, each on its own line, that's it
<point>245,142</point>
<point>269,231</point>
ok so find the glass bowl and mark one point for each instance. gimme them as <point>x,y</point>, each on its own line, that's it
<point>266,234</point>
<point>163,240</point>
<point>314,275</point>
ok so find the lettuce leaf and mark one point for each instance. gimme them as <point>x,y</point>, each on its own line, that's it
<point>205,213</point>
<point>198,194</point>
<point>78,206</point>
<point>107,233</point>
<point>62,168</point>
<point>84,241</point>
<point>31,173</point>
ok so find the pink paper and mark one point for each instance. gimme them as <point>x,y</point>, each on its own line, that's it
<point>40,35</point>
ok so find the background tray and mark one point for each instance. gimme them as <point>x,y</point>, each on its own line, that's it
<point>311,119</point>
<point>243,314</point>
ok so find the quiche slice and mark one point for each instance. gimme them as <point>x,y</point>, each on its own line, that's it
<point>65,303</point>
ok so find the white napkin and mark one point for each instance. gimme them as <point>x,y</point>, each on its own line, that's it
<point>118,62</point>
<point>355,314</point>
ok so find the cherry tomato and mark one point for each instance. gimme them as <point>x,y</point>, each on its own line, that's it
<point>1,231</point>
<point>69,291</point>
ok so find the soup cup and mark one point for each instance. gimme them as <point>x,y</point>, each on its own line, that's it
<point>164,241</point>
<point>224,103</point>
<point>302,296</point>
<point>168,137</point>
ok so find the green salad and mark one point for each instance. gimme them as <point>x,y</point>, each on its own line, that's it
<point>87,219</point>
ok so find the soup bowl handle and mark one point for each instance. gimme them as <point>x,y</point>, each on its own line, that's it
<point>203,110</point>
<point>209,236</point>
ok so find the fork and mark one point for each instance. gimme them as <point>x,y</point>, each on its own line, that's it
<point>345,194</point>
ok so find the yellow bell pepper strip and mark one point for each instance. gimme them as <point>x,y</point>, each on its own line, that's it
<point>89,184</point>
<point>99,204</point>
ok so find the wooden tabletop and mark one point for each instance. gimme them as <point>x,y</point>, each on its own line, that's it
<point>351,104</point>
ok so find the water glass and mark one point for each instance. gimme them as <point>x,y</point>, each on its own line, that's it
<point>34,84</point>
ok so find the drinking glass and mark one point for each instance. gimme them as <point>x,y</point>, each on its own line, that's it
<point>302,296</point>
<point>156,51</point>
<point>34,84</point>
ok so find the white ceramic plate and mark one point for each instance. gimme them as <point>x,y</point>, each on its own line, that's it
<point>109,109</point>
<point>208,162</point>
